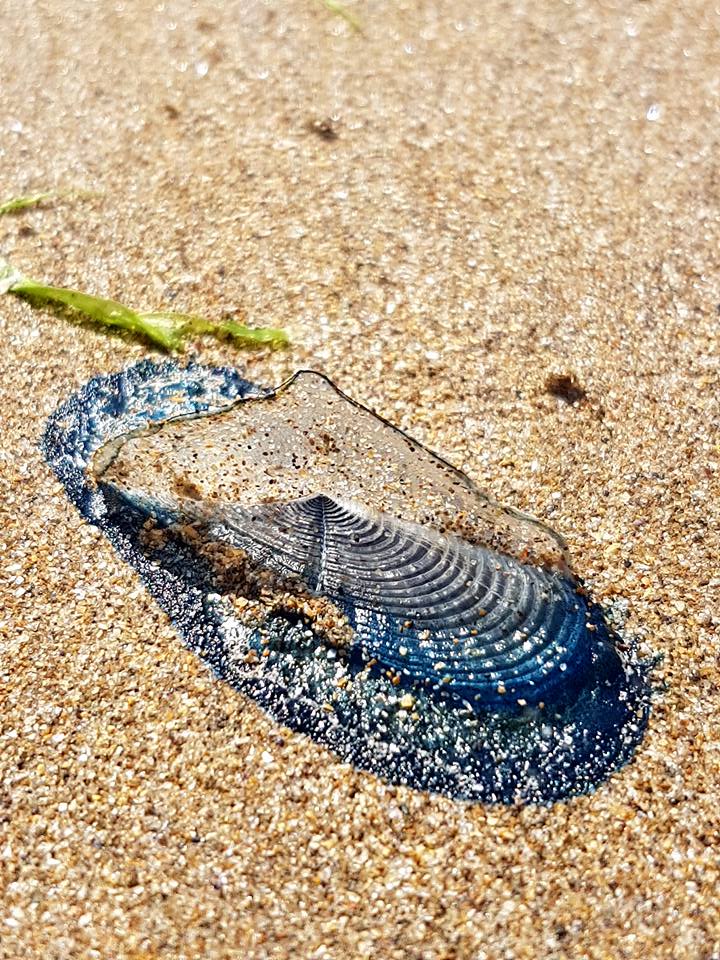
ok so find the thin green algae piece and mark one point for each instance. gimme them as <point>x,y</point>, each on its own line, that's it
<point>164,329</point>
<point>190,323</point>
<point>16,204</point>
<point>342,11</point>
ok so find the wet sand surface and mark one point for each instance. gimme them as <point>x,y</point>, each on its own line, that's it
<point>502,193</point>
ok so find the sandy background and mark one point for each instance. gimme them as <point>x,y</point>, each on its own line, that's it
<point>516,189</point>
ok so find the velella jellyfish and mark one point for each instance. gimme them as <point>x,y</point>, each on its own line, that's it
<point>352,582</point>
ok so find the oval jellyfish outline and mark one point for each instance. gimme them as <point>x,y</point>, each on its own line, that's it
<point>353,583</point>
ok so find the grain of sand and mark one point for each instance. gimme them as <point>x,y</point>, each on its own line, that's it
<point>444,211</point>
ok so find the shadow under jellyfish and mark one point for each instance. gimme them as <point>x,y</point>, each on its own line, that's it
<point>353,583</point>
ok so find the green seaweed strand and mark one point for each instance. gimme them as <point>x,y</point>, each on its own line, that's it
<point>342,11</point>
<point>164,329</point>
<point>15,204</point>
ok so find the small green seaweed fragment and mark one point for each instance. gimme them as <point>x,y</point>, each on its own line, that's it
<point>224,329</point>
<point>166,330</point>
<point>342,11</point>
<point>15,204</point>
<point>107,312</point>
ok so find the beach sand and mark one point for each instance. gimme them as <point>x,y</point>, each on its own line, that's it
<point>444,211</point>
